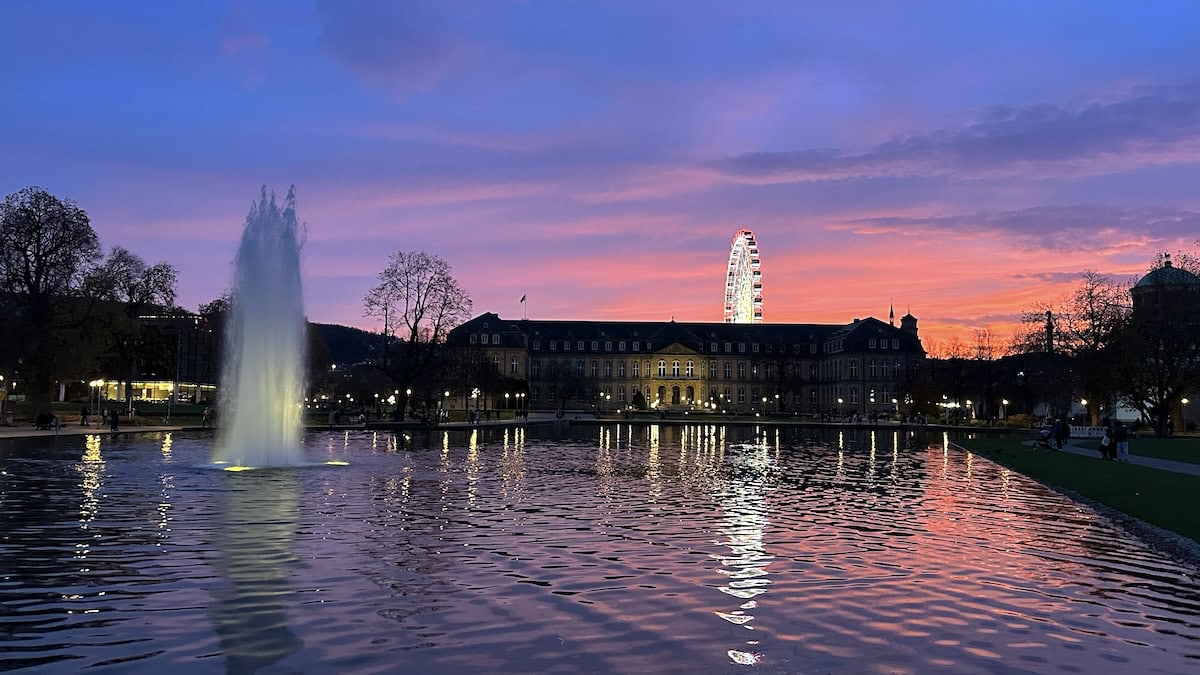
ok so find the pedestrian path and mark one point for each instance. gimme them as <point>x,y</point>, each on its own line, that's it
<point>1149,462</point>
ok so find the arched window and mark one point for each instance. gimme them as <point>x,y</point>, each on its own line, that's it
<point>513,366</point>
<point>690,393</point>
<point>608,368</point>
<point>675,395</point>
<point>579,368</point>
<point>690,371</point>
<point>595,368</point>
<point>662,368</point>
<point>637,369</point>
<point>853,368</point>
<point>728,369</point>
<point>674,369</point>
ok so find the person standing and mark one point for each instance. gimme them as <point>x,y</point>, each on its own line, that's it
<point>85,416</point>
<point>114,421</point>
<point>1108,447</point>
<point>1121,436</point>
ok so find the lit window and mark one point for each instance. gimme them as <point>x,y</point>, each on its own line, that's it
<point>662,368</point>
<point>712,369</point>
<point>621,393</point>
<point>514,366</point>
<point>853,368</point>
<point>674,369</point>
<point>728,369</point>
<point>608,368</point>
<point>620,369</point>
<point>636,369</point>
<point>741,370</point>
<point>595,368</point>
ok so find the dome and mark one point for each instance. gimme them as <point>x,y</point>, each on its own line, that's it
<point>1168,275</point>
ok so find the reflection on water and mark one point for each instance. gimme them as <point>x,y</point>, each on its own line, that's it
<point>610,548</point>
<point>258,524</point>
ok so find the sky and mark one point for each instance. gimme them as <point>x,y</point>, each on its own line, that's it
<point>959,160</point>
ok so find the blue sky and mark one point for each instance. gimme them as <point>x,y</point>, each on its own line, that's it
<point>962,160</point>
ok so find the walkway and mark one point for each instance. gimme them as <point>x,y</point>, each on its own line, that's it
<point>1150,462</point>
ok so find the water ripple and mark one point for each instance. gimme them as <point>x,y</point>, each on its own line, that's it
<point>613,549</point>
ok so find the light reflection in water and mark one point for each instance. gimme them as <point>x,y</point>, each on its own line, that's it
<point>744,521</point>
<point>472,466</point>
<point>91,468</point>
<point>258,525</point>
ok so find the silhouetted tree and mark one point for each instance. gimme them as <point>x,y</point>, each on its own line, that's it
<point>47,245</point>
<point>419,301</point>
<point>133,289</point>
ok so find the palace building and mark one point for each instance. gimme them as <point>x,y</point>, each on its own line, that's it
<point>865,366</point>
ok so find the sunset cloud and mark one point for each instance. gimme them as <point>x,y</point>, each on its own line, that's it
<point>964,161</point>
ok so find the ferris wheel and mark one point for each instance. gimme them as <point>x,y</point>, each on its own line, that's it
<point>743,281</point>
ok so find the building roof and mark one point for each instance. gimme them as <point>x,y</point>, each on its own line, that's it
<point>696,335</point>
<point>1168,275</point>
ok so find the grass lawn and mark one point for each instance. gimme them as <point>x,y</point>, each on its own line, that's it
<point>1162,498</point>
<point>1178,449</point>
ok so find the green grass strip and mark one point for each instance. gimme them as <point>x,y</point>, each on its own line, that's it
<point>1162,498</point>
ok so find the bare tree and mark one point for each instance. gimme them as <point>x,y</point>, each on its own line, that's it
<point>132,288</point>
<point>419,301</point>
<point>47,244</point>
<point>1084,326</point>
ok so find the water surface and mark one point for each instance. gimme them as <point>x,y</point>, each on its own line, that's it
<point>607,549</point>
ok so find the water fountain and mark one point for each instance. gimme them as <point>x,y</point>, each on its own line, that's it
<point>263,378</point>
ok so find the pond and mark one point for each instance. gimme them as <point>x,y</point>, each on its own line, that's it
<point>611,548</point>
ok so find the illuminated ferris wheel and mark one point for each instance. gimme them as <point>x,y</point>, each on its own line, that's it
<point>743,282</point>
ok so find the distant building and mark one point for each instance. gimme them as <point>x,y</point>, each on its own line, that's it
<point>1167,292</point>
<point>863,366</point>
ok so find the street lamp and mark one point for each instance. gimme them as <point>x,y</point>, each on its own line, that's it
<point>506,400</point>
<point>1004,408</point>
